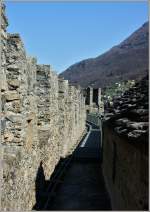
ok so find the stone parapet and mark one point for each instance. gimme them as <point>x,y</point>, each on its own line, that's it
<point>125,148</point>
<point>43,121</point>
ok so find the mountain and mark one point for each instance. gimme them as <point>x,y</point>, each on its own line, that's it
<point>128,60</point>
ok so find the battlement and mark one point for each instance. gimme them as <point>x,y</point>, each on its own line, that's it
<point>41,120</point>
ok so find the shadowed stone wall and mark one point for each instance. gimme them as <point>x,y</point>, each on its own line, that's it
<point>43,119</point>
<point>125,149</point>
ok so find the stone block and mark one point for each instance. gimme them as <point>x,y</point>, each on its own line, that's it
<point>14,83</point>
<point>138,125</point>
<point>11,96</point>
<point>135,134</point>
<point>14,106</point>
<point>8,137</point>
<point>15,118</point>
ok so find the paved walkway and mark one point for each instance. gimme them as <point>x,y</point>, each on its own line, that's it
<point>83,187</point>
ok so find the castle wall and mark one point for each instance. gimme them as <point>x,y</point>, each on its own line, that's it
<point>125,149</point>
<point>43,120</point>
<point>125,168</point>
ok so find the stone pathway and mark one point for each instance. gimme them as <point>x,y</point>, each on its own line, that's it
<point>83,187</point>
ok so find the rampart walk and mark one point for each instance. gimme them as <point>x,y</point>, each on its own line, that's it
<point>43,119</point>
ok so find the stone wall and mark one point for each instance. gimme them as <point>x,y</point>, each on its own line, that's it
<point>125,149</point>
<point>43,119</point>
<point>93,100</point>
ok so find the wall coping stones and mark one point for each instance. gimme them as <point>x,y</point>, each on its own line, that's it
<point>132,119</point>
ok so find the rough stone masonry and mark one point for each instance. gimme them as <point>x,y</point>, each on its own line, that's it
<point>125,148</point>
<point>42,119</point>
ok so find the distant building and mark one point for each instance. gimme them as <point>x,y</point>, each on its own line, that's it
<point>93,100</point>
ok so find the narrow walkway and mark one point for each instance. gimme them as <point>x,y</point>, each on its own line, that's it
<point>83,187</point>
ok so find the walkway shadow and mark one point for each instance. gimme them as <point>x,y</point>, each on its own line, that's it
<point>39,187</point>
<point>42,186</point>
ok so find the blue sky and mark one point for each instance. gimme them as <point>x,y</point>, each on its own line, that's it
<point>62,34</point>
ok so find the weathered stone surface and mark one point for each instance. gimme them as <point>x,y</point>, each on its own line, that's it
<point>138,125</point>
<point>140,112</point>
<point>8,136</point>
<point>14,106</point>
<point>120,130</point>
<point>132,116</point>
<point>125,149</point>
<point>13,83</point>
<point>15,118</point>
<point>43,120</point>
<point>122,121</point>
<point>136,133</point>
<point>11,95</point>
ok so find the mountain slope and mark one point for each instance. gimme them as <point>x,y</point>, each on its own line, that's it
<point>128,60</point>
